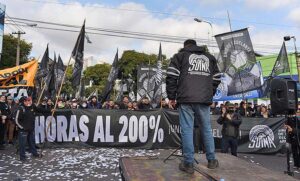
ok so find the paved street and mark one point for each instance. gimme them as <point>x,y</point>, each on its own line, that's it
<point>95,163</point>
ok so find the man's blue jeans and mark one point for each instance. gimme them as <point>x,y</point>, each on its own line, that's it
<point>187,113</point>
<point>29,137</point>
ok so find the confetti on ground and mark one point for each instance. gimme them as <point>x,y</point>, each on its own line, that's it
<point>68,164</point>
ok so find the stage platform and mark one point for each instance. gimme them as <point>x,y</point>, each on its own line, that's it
<point>231,169</point>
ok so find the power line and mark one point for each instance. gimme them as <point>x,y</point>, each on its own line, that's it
<point>131,37</point>
<point>106,30</point>
<point>104,34</point>
<point>152,35</point>
<point>13,22</point>
<point>166,13</point>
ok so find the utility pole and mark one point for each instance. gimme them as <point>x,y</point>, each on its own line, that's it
<point>19,33</point>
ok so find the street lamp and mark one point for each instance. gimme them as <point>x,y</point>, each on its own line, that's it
<point>288,38</point>
<point>211,27</point>
<point>31,25</point>
<point>204,21</point>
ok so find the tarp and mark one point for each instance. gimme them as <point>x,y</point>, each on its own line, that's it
<point>153,129</point>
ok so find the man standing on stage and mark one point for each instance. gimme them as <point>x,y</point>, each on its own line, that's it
<point>192,80</point>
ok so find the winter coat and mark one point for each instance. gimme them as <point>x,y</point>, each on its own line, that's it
<point>230,127</point>
<point>192,76</point>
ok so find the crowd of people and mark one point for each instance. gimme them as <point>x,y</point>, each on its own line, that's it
<point>9,105</point>
<point>13,108</point>
<point>93,103</point>
<point>244,109</point>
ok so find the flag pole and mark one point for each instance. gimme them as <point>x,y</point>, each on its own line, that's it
<point>243,96</point>
<point>55,105</point>
<point>148,83</point>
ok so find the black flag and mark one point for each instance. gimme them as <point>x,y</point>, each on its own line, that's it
<point>44,65</point>
<point>59,72</point>
<point>111,78</point>
<point>158,80</point>
<point>282,64</point>
<point>77,55</point>
<point>239,61</point>
<point>50,81</point>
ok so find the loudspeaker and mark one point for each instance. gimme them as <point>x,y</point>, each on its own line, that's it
<point>284,99</point>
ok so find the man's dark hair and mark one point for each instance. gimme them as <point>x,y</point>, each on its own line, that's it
<point>189,42</point>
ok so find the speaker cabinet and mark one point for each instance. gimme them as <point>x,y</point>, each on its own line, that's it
<point>283,96</point>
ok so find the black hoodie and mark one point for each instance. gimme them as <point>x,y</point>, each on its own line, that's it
<point>192,76</point>
<point>25,116</point>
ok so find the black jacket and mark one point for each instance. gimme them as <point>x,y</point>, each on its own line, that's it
<point>230,127</point>
<point>144,106</point>
<point>25,116</point>
<point>293,136</point>
<point>192,76</point>
<point>4,108</point>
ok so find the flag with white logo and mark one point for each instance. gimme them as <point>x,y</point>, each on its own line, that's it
<point>239,61</point>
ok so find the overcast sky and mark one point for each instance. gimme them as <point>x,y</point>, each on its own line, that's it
<point>268,21</point>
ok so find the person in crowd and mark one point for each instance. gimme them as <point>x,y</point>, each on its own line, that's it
<point>130,106</point>
<point>231,122</point>
<point>61,104</point>
<point>5,113</point>
<point>227,103</point>
<point>10,124</point>
<point>191,89</point>
<point>163,104</point>
<point>117,105</point>
<point>221,106</point>
<point>243,109</point>
<point>2,132</point>
<point>43,103</point>
<point>124,103</point>
<point>214,109</point>
<point>293,129</point>
<point>50,104</point>
<point>257,110</point>
<point>83,104</point>
<point>264,112</point>
<point>135,105</point>
<point>270,111</point>
<point>105,105</point>
<point>25,117</point>
<point>94,103</point>
<point>250,110</point>
<point>145,104</point>
<point>74,104</point>
<point>236,107</point>
<point>110,105</point>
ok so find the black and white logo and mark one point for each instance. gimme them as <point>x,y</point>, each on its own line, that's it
<point>199,65</point>
<point>261,136</point>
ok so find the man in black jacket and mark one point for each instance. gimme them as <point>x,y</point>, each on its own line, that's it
<point>293,128</point>
<point>25,118</point>
<point>5,113</point>
<point>192,80</point>
<point>145,104</point>
<point>231,122</point>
